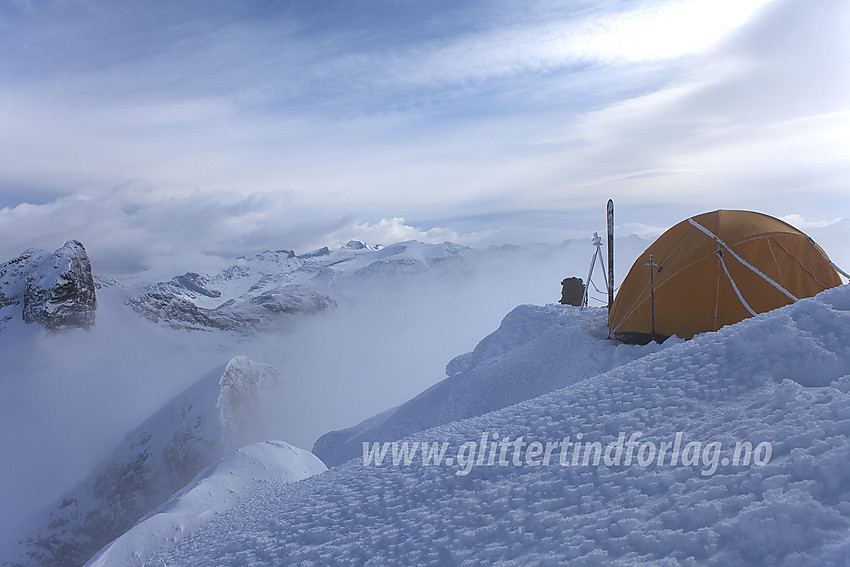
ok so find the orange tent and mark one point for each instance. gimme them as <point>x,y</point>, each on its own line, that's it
<point>716,269</point>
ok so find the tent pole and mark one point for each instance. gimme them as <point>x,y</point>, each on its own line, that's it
<point>652,265</point>
<point>610,253</point>
<point>825,257</point>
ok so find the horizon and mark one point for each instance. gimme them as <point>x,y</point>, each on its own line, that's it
<point>829,234</point>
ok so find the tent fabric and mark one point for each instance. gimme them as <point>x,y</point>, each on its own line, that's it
<point>716,269</point>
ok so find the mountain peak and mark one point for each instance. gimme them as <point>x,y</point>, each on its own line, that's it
<point>359,245</point>
<point>55,290</point>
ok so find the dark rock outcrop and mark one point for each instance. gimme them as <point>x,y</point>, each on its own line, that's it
<point>180,313</point>
<point>61,292</point>
<point>197,283</point>
<point>55,290</point>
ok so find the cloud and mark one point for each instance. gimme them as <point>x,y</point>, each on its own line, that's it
<point>130,229</point>
<point>804,224</point>
<point>735,130</point>
<point>133,232</point>
<point>388,231</point>
<point>536,41</point>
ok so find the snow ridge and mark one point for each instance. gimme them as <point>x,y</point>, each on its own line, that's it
<point>211,418</point>
<point>213,491</point>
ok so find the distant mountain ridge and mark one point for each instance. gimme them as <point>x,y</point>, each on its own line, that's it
<point>58,290</point>
<point>253,292</point>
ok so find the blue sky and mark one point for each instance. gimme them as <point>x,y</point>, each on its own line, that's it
<point>178,132</point>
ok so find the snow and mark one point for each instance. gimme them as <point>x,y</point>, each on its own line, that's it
<point>779,378</point>
<point>245,411</point>
<point>55,290</point>
<point>274,272</point>
<point>215,490</point>
<point>248,295</point>
<point>13,281</point>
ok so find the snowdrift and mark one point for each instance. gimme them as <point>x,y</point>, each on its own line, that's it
<point>781,378</point>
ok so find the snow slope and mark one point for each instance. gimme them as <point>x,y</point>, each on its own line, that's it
<point>215,490</point>
<point>223,410</point>
<point>781,378</point>
<point>535,350</point>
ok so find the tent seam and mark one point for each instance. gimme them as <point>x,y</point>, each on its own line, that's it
<point>775,261</point>
<point>800,262</point>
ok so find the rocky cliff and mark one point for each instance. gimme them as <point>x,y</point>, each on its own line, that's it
<point>54,290</point>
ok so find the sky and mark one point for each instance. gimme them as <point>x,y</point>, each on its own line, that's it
<point>179,134</point>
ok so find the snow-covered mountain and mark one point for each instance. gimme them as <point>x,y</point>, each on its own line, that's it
<point>224,410</point>
<point>251,293</point>
<point>774,388</point>
<point>255,291</point>
<point>55,289</point>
